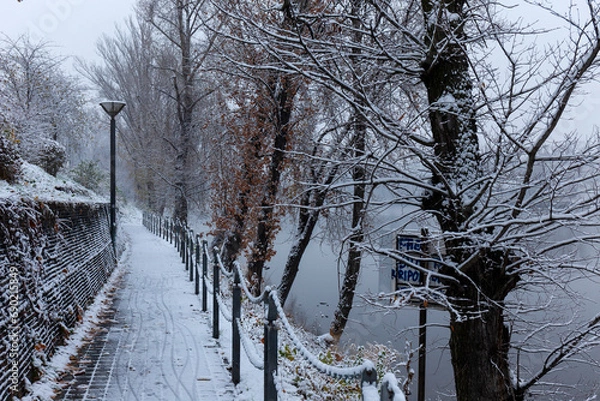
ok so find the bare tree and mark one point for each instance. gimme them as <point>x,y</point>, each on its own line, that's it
<point>183,27</point>
<point>43,105</point>
<point>490,174</point>
<point>264,126</point>
<point>132,71</point>
<point>155,65</point>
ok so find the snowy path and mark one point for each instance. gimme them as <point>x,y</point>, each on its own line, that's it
<point>158,344</point>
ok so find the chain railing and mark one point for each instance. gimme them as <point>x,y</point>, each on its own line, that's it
<point>194,255</point>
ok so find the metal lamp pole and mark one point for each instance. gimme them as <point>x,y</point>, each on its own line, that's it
<point>112,108</point>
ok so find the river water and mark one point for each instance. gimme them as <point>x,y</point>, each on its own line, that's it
<point>314,297</point>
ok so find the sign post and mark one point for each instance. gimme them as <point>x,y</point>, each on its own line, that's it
<point>415,252</point>
<point>423,321</point>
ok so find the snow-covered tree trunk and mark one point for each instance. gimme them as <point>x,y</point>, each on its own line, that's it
<point>479,345</point>
<point>307,220</point>
<point>479,340</point>
<point>184,87</point>
<point>359,176</point>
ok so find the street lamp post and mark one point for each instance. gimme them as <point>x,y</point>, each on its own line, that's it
<point>112,108</point>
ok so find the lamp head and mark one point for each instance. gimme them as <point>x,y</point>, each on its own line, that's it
<point>112,107</point>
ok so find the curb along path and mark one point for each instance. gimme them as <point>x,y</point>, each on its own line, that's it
<point>157,344</point>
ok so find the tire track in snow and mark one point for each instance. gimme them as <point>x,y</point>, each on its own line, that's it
<point>134,330</point>
<point>195,353</point>
<point>173,357</point>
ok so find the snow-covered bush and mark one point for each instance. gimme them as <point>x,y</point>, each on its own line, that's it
<point>42,104</point>
<point>90,175</point>
<point>50,156</point>
<point>10,161</point>
<point>302,381</point>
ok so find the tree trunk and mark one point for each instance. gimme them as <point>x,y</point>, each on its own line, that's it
<point>306,224</point>
<point>284,89</point>
<point>479,351</point>
<point>479,340</point>
<point>359,174</point>
<point>185,113</point>
<point>352,273</point>
<point>346,299</point>
<point>310,209</point>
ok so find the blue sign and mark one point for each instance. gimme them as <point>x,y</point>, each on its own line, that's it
<point>404,274</point>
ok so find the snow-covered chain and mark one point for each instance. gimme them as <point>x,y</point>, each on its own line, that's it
<point>224,271</point>
<point>208,287</point>
<point>223,308</point>
<point>279,385</point>
<point>251,352</point>
<point>333,371</point>
<point>251,298</point>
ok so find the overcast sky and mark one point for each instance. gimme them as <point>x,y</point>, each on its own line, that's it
<point>73,26</point>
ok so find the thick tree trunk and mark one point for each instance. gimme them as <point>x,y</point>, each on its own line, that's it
<point>184,95</point>
<point>479,351</point>
<point>479,340</point>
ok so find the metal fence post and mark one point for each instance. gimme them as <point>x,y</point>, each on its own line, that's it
<point>270,369</point>
<point>183,241</point>
<point>368,376</point>
<point>197,282</point>
<point>186,251</point>
<point>204,273</point>
<point>235,338</point>
<point>190,254</point>
<point>215,295</point>
<point>386,394</point>
<point>179,231</point>
<point>389,386</point>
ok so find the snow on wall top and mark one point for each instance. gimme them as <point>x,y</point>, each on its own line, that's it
<point>35,183</point>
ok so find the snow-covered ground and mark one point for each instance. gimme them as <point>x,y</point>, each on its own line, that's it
<point>35,183</point>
